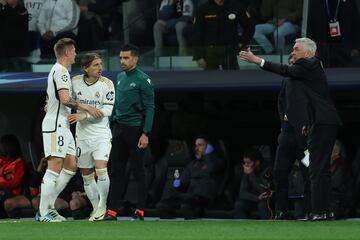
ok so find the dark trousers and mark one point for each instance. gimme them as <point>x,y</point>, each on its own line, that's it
<point>223,56</point>
<point>124,147</point>
<point>187,202</point>
<point>243,209</point>
<point>290,147</point>
<point>321,142</point>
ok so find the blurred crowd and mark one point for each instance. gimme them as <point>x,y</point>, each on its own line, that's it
<point>212,31</point>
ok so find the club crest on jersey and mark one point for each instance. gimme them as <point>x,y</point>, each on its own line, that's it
<point>132,84</point>
<point>64,78</point>
<point>110,96</point>
<point>97,94</point>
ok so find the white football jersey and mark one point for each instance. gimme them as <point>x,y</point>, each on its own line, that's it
<point>100,95</point>
<point>57,113</point>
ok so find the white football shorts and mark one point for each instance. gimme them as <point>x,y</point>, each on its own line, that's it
<point>87,151</point>
<point>59,143</point>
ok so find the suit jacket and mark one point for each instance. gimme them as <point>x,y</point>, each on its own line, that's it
<point>305,93</point>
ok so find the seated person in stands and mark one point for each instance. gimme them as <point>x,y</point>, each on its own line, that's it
<point>196,186</point>
<point>174,16</point>
<point>72,198</point>
<point>12,171</point>
<point>255,188</point>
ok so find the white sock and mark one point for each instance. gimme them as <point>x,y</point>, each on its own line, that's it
<point>63,179</point>
<point>91,189</point>
<point>103,184</point>
<point>47,191</point>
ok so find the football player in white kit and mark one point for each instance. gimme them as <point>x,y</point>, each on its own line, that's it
<point>59,145</point>
<point>93,135</point>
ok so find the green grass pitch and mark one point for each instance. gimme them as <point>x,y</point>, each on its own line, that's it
<point>180,230</point>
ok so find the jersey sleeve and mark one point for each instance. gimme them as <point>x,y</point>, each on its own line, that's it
<point>62,79</point>
<point>147,96</point>
<point>109,93</point>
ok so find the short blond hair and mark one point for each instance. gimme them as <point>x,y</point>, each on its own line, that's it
<point>309,45</point>
<point>62,45</point>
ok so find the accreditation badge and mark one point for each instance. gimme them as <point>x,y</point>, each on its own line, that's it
<point>334,28</point>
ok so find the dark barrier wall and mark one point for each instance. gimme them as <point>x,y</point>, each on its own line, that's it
<point>237,106</point>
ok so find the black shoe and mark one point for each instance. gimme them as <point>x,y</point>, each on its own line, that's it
<point>282,215</point>
<point>306,217</point>
<point>110,218</point>
<point>138,215</point>
<point>330,216</point>
<point>319,217</point>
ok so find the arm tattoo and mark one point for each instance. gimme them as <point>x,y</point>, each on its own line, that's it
<point>71,103</point>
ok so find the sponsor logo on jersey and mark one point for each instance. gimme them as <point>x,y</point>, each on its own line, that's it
<point>110,96</point>
<point>90,102</point>
<point>132,84</point>
<point>97,94</point>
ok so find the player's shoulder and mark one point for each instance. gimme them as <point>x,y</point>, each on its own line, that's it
<point>78,77</point>
<point>106,81</point>
<point>60,69</point>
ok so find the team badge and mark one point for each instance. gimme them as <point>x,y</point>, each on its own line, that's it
<point>232,16</point>
<point>64,78</point>
<point>110,96</point>
<point>132,84</point>
<point>97,94</point>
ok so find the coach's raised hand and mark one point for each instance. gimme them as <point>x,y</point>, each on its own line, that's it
<point>250,57</point>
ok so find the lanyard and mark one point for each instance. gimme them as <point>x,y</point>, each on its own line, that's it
<point>336,11</point>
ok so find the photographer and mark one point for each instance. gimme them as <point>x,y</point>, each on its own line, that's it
<point>255,188</point>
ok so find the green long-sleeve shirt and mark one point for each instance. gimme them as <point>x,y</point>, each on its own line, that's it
<point>134,100</point>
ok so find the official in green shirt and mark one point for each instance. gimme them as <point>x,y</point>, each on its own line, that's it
<point>132,119</point>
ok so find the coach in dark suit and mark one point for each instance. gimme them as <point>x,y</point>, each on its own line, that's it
<point>313,112</point>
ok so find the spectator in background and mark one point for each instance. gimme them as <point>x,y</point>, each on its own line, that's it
<point>196,186</point>
<point>255,188</point>
<point>254,9</point>
<point>95,22</point>
<point>12,170</point>
<point>33,7</point>
<point>336,49</point>
<point>174,16</point>
<point>282,19</point>
<point>57,19</point>
<point>14,33</point>
<point>216,36</point>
